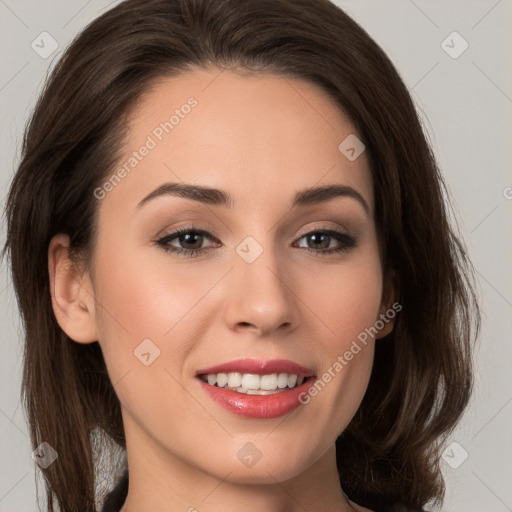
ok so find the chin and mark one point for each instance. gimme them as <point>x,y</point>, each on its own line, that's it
<point>266,465</point>
<point>264,473</point>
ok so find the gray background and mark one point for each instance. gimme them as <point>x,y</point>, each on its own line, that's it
<point>466,106</point>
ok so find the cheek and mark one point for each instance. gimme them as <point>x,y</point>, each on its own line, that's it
<point>146,298</point>
<point>347,303</point>
<point>345,298</point>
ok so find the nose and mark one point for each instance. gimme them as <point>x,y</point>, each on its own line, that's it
<point>261,298</point>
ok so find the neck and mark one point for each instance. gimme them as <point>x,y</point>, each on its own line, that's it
<point>159,480</point>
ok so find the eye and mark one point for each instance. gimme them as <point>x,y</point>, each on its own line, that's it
<point>188,236</point>
<point>191,239</point>
<point>321,239</point>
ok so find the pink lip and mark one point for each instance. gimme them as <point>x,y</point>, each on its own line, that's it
<point>258,406</point>
<point>258,367</point>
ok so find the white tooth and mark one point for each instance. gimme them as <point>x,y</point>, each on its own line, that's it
<point>262,392</point>
<point>222,379</point>
<point>250,381</point>
<point>234,380</point>
<point>282,380</point>
<point>268,382</point>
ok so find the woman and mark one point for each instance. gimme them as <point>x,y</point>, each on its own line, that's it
<point>311,348</point>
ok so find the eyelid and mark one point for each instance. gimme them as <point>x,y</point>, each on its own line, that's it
<point>177,232</point>
<point>342,230</point>
<point>193,225</point>
<point>348,241</point>
<point>209,232</point>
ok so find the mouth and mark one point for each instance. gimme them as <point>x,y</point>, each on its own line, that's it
<point>253,384</point>
<point>257,389</point>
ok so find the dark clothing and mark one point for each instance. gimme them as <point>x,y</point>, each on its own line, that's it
<point>116,498</point>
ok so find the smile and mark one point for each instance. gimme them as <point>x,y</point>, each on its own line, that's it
<point>253,384</point>
<point>256,389</point>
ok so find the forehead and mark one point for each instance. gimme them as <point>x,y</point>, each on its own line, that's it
<point>261,137</point>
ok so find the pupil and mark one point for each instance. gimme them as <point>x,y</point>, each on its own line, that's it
<point>325,238</point>
<point>188,236</point>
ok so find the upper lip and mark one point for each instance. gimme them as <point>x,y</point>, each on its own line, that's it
<point>258,367</point>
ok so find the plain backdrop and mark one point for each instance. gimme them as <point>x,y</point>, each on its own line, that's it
<point>465,101</point>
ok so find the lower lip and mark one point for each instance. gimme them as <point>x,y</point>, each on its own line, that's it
<point>258,406</point>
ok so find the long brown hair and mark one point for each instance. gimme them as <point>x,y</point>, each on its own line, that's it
<point>422,375</point>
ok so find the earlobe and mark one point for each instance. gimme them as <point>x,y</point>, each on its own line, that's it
<point>386,320</point>
<point>71,293</point>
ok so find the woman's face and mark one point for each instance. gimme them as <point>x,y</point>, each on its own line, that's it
<point>259,283</point>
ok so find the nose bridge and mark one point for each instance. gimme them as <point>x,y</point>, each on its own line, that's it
<point>260,267</point>
<point>261,295</point>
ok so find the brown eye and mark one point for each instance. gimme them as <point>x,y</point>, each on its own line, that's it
<point>189,241</point>
<point>319,241</point>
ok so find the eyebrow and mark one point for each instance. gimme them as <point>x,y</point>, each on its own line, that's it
<point>216,197</point>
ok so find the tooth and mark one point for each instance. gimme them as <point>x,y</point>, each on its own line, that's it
<point>251,381</point>
<point>292,379</point>
<point>261,392</point>
<point>268,382</point>
<point>234,380</point>
<point>248,382</point>
<point>222,379</point>
<point>282,380</point>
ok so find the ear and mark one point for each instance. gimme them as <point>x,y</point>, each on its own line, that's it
<point>71,292</point>
<point>389,307</point>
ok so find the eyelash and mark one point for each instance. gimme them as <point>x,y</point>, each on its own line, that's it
<point>347,241</point>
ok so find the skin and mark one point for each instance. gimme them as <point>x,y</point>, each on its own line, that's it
<point>260,138</point>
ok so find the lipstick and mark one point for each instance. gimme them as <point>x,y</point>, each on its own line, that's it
<point>266,400</point>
